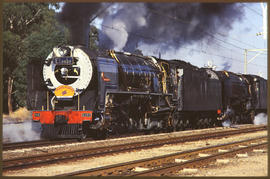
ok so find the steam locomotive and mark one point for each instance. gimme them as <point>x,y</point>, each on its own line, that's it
<point>77,93</point>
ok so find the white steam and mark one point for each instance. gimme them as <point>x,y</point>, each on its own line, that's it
<point>260,118</point>
<point>19,132</point>
<point>118,26</point>
<point>226,123</point>
<point>119,38</point>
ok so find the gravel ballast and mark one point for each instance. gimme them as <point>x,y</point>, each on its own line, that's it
<point>260,163</point>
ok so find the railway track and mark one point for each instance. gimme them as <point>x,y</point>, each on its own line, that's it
<point>168,165</point>
<point>36,143</point>
<point>41,143</point>
<point>44,159</point>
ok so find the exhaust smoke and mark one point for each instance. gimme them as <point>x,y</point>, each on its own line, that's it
<point>17,127</point>
<point>172,24</point>
<point>127,26</point>
<point>226,123</point>
<point>260,118</point>
<point>76,16</point>
<point>19,132</point>
<point>227,65</point>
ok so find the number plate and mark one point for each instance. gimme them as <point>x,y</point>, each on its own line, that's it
<point>63,61</point>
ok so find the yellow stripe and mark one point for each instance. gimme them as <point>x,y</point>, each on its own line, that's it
<point>114,56</point>
<point>164,85</point>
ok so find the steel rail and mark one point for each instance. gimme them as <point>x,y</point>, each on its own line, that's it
<point>44,159</point>
<point>163,165</point>
<point>197,162</point>
<point>35,143</point>
<point>41,143</point>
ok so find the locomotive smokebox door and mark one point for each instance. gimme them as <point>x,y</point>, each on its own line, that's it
<point>69,71</point>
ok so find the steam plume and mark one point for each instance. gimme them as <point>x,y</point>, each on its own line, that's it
<point>128,25</point>
<point>260,118</point>
<point>226,123</point>
<point>227,65</point>
<point>20,132</point>
<point>17,127</point>
<point>169,24</point>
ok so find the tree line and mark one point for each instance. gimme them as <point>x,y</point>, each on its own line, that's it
<point>30,31</point>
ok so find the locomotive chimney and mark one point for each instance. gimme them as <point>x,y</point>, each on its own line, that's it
<point>76,16</point>
<point>87,38</point>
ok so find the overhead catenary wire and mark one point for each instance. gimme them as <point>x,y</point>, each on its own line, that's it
<point>151,38</point>
<point>100,12</point>
<point>252,10</point>
<point>189,23</point>
<point>236,40</point>
<point>208,33</point>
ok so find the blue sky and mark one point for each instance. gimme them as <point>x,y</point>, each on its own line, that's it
<point>228,48</point>
<point>242,36</point>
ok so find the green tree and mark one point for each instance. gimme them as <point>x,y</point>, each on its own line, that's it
<point>30,31</point>
<point>11,54</point>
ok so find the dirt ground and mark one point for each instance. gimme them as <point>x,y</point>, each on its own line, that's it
<point>253,165</point>
<point>257,163</point>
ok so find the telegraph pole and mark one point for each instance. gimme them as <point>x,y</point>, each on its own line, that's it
<point>264,33</point>
<point>260,51</point>
<point>264,10</point>
<point>245,65</point>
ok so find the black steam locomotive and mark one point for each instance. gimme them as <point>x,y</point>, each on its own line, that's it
<point>77,93</point>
